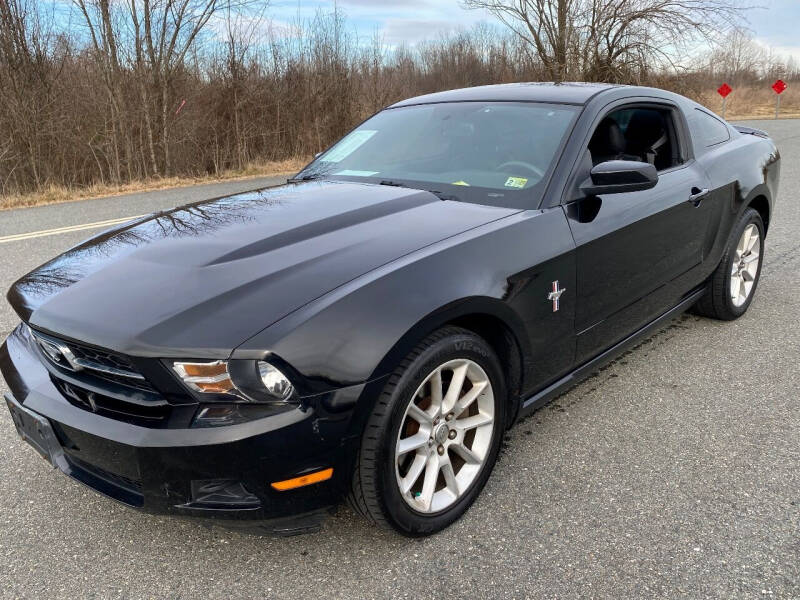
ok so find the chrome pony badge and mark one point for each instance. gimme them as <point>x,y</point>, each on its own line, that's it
<point>555,295</point>
<point>52,351</point>
<point>59,354</point>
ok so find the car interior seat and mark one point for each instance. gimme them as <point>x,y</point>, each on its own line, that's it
<point>646,138</point>
<point>608,142</point>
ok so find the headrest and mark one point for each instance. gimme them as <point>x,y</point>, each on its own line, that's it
<point>645,129</point>
<point>607,139</point>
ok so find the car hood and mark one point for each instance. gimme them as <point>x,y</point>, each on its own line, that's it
<point>199,280</point>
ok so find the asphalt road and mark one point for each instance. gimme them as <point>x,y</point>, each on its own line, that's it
<point>675,472</point>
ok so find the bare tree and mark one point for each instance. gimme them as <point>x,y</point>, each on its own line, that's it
<point>604,39</point>
<point>738,59</point>
<point>241,36</point>
<point>106,104</point>
<point>546,26</point>
<point>26,70</point>
<point>99,21</point>
<point>164,32</point>
<point>153,37</point>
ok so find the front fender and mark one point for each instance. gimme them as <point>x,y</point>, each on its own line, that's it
<point>455,312</point>
<point>360,331</point>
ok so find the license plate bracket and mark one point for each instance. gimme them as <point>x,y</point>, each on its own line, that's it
<point>36,430</point>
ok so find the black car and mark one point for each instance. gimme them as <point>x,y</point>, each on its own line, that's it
<point>371,328</point>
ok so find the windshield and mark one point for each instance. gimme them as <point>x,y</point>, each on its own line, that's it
<point>485,152</point>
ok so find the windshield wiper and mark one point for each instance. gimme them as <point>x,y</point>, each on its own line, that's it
<point>393,183</point>
<point>309,177</point>
<point>443,196</point>
<point>437,193</point>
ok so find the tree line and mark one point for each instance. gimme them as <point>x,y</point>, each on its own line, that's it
<point>115,91</point>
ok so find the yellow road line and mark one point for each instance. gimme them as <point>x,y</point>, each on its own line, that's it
<point>59,230</point>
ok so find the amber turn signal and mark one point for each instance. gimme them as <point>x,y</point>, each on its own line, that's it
<point>209,378</point>
<point>304,480</point>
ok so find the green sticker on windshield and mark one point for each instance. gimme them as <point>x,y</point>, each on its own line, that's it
<point>516,182</point>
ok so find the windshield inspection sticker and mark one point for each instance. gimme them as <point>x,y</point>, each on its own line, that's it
<point>516,182</point>
<point>460,183</point>
<point>348,145</point>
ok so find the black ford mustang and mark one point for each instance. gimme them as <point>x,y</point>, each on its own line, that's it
<point>371,328</point>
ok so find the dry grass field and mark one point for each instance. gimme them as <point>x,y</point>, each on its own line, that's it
<point>57,193</point>
<point>754,103</point>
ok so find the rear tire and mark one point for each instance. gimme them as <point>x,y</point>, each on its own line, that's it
<point>733,284</point>
<point>426,455</point>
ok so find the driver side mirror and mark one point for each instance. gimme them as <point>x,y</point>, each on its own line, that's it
<point>618,176</point>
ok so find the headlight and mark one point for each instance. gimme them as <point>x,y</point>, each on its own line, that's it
<point>237,380</point>
<point>276,382</point>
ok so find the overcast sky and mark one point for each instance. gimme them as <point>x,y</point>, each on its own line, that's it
<point>397,20</point>
<point>409,21</point>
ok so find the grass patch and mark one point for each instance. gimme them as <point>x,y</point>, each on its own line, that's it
<point>54,194</point>
<point>753,103</point>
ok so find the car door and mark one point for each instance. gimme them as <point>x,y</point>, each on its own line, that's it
<point>631,246</point>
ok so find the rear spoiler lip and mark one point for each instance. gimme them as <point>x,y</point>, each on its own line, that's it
<point>751,131</point>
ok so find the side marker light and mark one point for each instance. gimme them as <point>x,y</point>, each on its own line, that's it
<point>303,480</point>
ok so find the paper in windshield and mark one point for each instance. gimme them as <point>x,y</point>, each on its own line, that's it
<point>348,145</point>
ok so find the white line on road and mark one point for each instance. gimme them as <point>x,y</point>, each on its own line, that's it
<point>45,232</point>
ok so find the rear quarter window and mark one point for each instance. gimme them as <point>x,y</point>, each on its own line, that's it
<point>708,130</point>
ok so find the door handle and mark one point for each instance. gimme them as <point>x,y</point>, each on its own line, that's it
<point>698,195</point>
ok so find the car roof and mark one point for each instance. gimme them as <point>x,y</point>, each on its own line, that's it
<point>559,93</point>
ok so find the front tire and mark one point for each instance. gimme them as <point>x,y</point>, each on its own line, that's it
<point>433,437</point>
<point>734,282</point>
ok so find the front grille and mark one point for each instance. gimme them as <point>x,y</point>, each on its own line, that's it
<point>76,358</point>
<point>103,382</point>
<point>102,357</point>
<point>143,414</point>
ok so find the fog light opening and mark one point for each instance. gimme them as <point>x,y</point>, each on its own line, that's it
<point>221,494</point>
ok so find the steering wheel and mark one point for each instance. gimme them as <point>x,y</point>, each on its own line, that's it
<point>518,163</point>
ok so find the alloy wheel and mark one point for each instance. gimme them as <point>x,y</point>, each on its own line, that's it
<point>445,436</point>
<point>744,267</point>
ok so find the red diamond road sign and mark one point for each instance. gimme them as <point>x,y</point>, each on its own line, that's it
<point>779,86</point>
<point>724,90</point>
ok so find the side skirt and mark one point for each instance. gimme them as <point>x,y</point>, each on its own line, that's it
<point>544,396</point>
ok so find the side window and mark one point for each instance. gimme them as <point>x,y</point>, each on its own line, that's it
<point>641,133</point>
<point>709,130</point>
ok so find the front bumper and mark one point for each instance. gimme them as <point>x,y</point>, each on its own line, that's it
<point>167,470</point>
